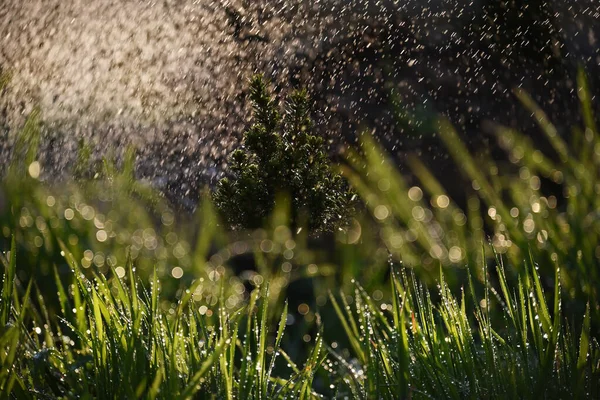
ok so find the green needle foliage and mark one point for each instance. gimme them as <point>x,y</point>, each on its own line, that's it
<point>280,156</point>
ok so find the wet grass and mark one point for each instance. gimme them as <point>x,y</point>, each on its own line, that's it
<point>459,347</point>
<point>111,339</point>
<point>109,293</point>
<point>530,202</point>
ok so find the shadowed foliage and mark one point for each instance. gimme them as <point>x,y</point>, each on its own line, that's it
<point>280,156</point>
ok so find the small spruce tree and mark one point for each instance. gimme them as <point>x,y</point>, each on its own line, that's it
<point>280,155</point>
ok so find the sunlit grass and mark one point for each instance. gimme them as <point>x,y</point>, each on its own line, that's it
<point>505,343</point>
<point>108,292</point>
<point>112,339</point>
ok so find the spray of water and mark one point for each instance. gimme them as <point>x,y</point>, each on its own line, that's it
<point>169,77</point>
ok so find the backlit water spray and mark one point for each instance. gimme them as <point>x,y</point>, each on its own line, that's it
<point>170,77</point>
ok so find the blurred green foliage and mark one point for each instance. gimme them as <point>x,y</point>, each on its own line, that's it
<point>509,203</point>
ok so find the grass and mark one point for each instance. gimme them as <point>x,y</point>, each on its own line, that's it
<point>109,293</point>
<point>546,204</point>
<point>456,348</point>
<point>111,339</point>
